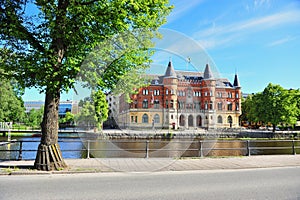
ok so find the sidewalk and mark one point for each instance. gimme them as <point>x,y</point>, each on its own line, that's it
<point>154,164</point>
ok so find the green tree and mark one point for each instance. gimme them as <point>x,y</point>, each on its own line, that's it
<point>274,105</point>
<point>46,49</point>
<point>11,105</point>
<point>86,118</point>
<point>34,117</point>
<point>101,107</point>
<point>69,118</point>
<point>94,110</point>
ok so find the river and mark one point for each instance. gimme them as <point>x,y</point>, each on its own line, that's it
<point>76,147</point>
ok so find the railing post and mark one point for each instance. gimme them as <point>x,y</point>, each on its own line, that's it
<point>147,149</point>
<point>88,149</point>
<point>248,148</point>
<point>294,149</point>
<point>200,148</point>
<point>20,151</point>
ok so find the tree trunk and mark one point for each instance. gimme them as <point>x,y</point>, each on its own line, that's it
<point>49,156</point>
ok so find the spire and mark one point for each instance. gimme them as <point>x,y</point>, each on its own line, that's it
<point>236,81</point>
<point>170,72</point>
<point>207,72</point>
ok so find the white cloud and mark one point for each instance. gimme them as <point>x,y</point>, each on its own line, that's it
<point>281,41</point>
<point>223,34</point>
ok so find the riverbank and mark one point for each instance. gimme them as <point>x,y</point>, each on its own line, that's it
<point>162,133</point>
<point>154,164</point>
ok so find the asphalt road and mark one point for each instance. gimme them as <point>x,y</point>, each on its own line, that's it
<point>271,183</point>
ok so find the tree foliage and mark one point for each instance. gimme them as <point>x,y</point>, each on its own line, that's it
<point>274,105</point>
<point>93,111</point>
<point>47,48</point>
<point>11,105</point>
<point>51,44</point>
<point>69,118</point>
<point>87,116</point>
<point>34,117</point>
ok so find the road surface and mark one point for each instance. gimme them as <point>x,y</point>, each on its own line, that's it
<point>271,183</point>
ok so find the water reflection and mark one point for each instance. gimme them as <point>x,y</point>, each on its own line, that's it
<point>135,148</point>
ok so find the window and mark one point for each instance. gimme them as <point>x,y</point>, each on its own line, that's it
<point>229,120</point>
<point>220,120</point>
<point>145,103</point>
<point>236,95</point>
<point>133,119</point>
<point>156,118</point>
<point>205,94</point>
<point>156,92</point>
<point>167,104</point>
<point>145,118</point>
<point>237,106</point>
<point>172,91</point>
<point>229,95</point>
<point>135,103</point>
<point>211,105</point>
<point>220,106</point>
<point>219,94</point>
<point>145,92</point>
<point>229,106</point>
<point>156,104</point>
<point>167,91</point>
<point>197,105</point>
<point>180,104</point>
<point>172,104</point>
<point>180,93</point>
<point>211,93</point>
<point>205,105</point>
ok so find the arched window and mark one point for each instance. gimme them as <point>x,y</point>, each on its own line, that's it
<point>181,120</point>
<point>145,118</point>
<point>220,120</point>
<point>190,121</point>
<point>199,121</point>
<point>156,118</point>
<point>229,120</point>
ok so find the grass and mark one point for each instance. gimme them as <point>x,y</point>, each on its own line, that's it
<point>10,170</point>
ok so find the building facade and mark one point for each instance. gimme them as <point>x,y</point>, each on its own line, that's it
<point>183,100</point>
<point>63,108</point>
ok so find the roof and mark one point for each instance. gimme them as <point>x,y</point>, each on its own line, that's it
<point>170,72</point>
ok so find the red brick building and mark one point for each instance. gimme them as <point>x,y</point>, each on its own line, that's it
<point>185,100</point>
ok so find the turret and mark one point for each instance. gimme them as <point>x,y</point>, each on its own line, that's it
<point>236,81</point>
<point>170,72</point>
<point>207,72</point>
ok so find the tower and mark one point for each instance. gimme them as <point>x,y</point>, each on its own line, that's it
<point>209,90</point>
<point>170,83</point>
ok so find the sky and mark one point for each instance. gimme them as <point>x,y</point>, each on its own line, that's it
<point>257,39</point>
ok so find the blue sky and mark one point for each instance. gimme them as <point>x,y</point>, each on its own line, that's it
<point>258,39</point>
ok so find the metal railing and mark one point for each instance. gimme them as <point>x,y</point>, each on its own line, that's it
<point>157,148</point>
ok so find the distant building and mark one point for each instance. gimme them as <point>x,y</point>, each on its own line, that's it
<point>184,100</point>
<point>113,105</point>
<point>64,106</point>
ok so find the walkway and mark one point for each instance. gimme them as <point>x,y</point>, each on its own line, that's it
<point>156,164</point>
